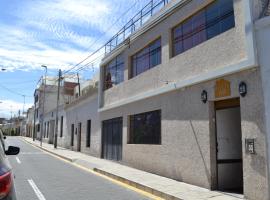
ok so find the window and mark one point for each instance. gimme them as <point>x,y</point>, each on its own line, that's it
<point>36,98</point>
<point>114,72</point>
<point>61,126</point>
<point>145,128</point>
<point>213,20</point>
<point>147,58</point>
<point>88,134</point>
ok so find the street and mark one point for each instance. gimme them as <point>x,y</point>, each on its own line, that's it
<point>41,176</point>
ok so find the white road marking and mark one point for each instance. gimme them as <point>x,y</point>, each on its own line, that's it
<point>31,153</point>
<point>36,190</point>
<point>18,160</point>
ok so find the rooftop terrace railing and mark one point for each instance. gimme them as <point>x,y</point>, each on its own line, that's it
<point>135,23</point>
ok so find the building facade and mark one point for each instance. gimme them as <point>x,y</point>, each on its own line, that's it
<point>183,97</point>
<point>82,118</point>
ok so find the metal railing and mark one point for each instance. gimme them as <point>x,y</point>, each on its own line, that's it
<point>135,23</point>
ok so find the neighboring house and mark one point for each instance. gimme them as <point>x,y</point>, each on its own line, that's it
<point>49,127</point>
<point>50,100</point>
<point>182,97</point>
<point>82,120</point>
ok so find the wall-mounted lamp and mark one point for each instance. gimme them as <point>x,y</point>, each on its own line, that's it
<point>204,96</point>
<point>242,89</point>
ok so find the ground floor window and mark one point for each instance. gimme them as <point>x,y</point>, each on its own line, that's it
<point>145,128</point>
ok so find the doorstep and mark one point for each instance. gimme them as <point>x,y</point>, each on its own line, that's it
<point>157,185</point>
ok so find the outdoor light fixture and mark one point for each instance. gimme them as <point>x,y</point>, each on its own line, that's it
<point>243,89</point>
<point>204,96</point>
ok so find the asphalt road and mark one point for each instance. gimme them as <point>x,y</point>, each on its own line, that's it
<point>40,176</point>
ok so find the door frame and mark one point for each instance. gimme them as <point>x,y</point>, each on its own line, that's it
<point>213,107</point>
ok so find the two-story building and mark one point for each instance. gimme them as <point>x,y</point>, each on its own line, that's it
<point>182,97</point>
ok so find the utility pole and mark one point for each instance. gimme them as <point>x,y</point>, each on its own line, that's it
<point>57,109</point>
<point>79,84</point>
<point>43,107</point>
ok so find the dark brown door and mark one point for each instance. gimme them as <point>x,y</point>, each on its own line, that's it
<point>79,136</point>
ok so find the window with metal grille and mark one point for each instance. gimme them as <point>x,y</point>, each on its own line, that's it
<point>145,128</point>
<point>147,58</point>
<point>114,72</point>
<point>88,134</point>
<point>211,21</point>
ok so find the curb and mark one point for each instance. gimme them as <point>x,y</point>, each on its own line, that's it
<point>116,177</point>
<point>138,185</point>
<point>44,149</point>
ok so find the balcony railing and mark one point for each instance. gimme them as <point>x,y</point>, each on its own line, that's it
<point>135,23</point>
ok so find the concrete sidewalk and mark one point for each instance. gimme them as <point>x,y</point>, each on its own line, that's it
<point>160,186</point>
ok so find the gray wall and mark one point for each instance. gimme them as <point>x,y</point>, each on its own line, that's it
<point>229,48</point>
<point>186,152</point>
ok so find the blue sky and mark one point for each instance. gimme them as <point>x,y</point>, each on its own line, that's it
<point>56,33</point>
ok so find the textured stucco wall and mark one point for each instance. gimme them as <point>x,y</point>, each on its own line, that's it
<point>185,152</point>
<point>81,112</point>
<point>221,51</point>
<point>263,42</point>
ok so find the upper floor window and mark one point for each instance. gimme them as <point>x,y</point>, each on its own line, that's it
<point>36,98</point>
<point>114,72</point>
<point>147,58</point>
<point>213,20</point>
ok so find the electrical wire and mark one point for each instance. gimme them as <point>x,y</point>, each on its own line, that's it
<point>96,51</point>
<point>14,92</point>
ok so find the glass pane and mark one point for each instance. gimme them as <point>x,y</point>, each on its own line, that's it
<point>199,32</point>
<point>155,53</point>
<point>143,61</point>
<point>134,66</point>
<point>187,35</point>
<point>227,15</point>
<point>178,40</point>
<point>213,20</point>
<point>120,73</point>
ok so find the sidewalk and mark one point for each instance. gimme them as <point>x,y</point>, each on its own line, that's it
<point>160,186</point>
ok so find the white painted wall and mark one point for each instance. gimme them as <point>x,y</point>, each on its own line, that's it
<point>79,112</point>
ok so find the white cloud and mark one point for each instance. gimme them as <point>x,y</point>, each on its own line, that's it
<point>8,106</point>
<point>58,32</point>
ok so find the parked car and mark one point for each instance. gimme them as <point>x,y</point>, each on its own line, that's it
<point>7,189</point>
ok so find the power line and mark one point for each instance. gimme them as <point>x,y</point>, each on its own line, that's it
<point>14,92</point>
<point>93,53</point>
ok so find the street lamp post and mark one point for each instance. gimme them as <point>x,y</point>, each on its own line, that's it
<point>43,107</point>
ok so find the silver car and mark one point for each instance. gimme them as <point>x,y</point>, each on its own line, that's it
<point>7,190</point>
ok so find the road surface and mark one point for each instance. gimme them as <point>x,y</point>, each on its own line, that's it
<point>40,176</point>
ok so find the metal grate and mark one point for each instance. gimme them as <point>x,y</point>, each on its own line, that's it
<point>135,23</point>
